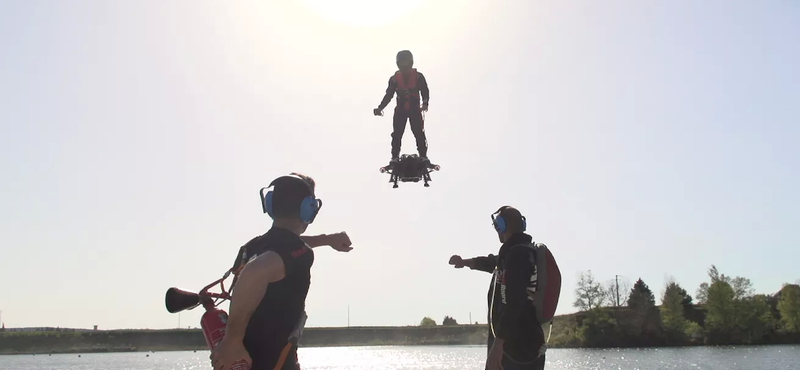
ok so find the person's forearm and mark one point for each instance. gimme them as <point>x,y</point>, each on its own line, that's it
<point>485,263</point>
<point>387,96</point>
<point>250,289</point>
<point>314,241</point>
<point>385,101</point>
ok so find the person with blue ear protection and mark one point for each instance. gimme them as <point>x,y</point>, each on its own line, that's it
<point>267,311</point>
<point>516,339</point>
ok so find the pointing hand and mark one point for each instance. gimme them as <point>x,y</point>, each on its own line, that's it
<point>457,261</point>
<point>340,242</point>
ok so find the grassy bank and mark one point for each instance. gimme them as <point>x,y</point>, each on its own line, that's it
<point>602,327</point>
<point>192,339</point>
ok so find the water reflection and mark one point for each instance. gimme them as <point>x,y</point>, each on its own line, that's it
<point>442,358</point>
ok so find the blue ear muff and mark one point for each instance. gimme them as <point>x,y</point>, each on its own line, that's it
<point>500,224</point>
<point>309,207</point>
<point>266,202</point>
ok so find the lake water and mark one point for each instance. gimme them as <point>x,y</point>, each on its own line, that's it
<point>440,358</point>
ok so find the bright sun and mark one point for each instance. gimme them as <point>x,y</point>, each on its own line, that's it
<point>369,13</point>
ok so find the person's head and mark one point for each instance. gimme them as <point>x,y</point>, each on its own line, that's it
<point>508,221</point>
<point>405,60</point>
<point>291,202</point>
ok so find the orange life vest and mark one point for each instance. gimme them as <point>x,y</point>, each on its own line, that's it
<point>407,90</point>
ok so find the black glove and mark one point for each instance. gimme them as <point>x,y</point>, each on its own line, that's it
<point>377,112</point>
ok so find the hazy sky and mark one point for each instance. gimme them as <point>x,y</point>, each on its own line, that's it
<point>645,139</point>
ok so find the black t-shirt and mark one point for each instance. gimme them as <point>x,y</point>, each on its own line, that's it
<point>284,302</point>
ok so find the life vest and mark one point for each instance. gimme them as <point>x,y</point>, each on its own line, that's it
<point>407,90</point>
<point>544,288</point>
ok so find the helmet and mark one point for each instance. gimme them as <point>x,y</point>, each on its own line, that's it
<point>404,55</point>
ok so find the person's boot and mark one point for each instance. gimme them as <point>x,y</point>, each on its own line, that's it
<point>395,159</point>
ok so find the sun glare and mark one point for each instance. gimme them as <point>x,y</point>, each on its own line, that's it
<point>362,13</point>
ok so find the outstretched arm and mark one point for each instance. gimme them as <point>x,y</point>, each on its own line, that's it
<point>338,241</point>
<point>389,94</point>
<point>250,289</point>
<point>482,263</point>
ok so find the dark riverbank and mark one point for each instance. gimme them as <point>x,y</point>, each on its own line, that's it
<point>749,320</point>
<point>568,331</point>
<point>192,339</point>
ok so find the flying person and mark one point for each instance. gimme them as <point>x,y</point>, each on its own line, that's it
<point>409,85</point>
<point>268,302</point>
<point>522,296</point>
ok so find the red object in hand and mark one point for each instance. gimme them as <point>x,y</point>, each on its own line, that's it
<point>213,323</point>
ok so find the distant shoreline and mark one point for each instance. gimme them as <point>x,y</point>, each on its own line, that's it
<point>43,343</point>
<point>568,332</point>
<point>163,340</point>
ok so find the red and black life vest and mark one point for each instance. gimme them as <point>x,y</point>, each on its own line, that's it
<point>406,89</point>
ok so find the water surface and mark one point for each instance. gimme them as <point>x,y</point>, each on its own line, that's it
<point>441,358</point>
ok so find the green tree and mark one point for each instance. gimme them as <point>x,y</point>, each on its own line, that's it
<point>686,299</point>
<point>702,291</point>
<point>721,315</point>
<point>448,321</point>
<point>641,297</point>
<point>789,307</point>
<point>754,318</point>
<point>742,287</point>
<point>597,328</point>
<point>645,322</point>
<point>427,321</point>
<point>589,293</point>
<point>672,311</point>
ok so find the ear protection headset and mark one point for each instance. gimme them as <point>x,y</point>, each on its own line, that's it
<point>309,207</point>
<point>500,224</point>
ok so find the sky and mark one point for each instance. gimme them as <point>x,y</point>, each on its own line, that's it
<point>642,139</point>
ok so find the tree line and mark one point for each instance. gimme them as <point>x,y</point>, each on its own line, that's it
<point>724,310</point>
<point>447,321</point>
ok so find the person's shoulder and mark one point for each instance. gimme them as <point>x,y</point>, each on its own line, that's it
<point>293,247</point>
<point>256,245</point>
<point>256,239</point>
<point>522,251</point>
<point>521,248</point>
<point>287,244</point>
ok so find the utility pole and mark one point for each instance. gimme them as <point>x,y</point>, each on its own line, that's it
<point>470,318</point>
<point>616,282</point>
